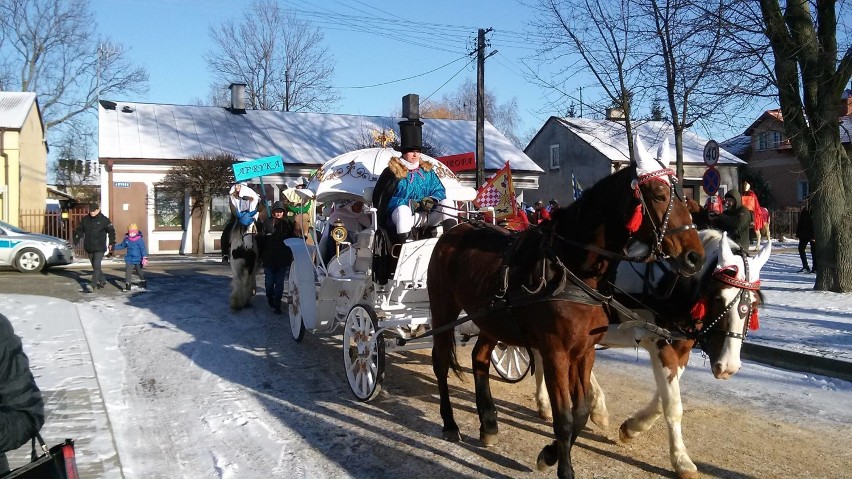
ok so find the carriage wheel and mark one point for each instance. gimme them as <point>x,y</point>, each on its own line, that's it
<point>297,327</point>
<point>512,363</point>
<point>363,353</point>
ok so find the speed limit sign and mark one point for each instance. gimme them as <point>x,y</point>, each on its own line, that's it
<point>711,153</point>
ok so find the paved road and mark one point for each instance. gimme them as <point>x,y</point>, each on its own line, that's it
<point>67,282</point>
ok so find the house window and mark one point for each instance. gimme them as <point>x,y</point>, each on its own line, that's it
<point>168,209</point>
<point>220,212</point>
<point>802,190</point>
<point>769,140</point>
<point>554,157</point>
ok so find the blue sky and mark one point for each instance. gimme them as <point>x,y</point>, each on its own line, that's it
<point>170,38</point>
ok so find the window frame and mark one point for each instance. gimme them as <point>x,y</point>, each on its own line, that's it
<point>554,159</point>
<point>212,213</point>
<point>180,213</point>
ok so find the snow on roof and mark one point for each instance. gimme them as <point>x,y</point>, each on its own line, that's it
<point>159,131</point>
<point>737,145</point>
<point>610,138</point>
<point>14,108</point>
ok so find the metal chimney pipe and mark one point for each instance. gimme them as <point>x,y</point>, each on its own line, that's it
<point>238,96</point>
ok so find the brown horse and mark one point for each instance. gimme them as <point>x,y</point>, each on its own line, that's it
<point>539,289</point>
<point>713,308</point>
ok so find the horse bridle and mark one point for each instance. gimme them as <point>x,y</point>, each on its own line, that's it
<point>742,300</point>
<point>661,230</point>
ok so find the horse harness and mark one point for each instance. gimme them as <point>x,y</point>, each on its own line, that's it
<point>745,308</point>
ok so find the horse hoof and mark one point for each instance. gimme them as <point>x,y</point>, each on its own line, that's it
<point>545,416</point>
<point>600,420</point>
<point>623,435</point>
<point>489,439</point>
<point>687,475</point>
<point>452,436</point>
<point>546,458</point>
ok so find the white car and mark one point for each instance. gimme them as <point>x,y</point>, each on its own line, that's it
<point>32,252</point>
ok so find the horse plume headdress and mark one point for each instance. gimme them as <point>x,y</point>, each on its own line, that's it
<point>648,169</point>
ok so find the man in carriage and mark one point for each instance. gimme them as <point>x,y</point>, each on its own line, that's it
<point>409,194</point>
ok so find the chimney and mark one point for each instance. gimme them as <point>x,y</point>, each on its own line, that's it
<point>238,97</point>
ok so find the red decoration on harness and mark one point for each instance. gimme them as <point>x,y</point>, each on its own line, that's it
<point>635,220</point>
<point>753,323</point>
<point>699,310</point>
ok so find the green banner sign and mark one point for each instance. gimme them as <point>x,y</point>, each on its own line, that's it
<point>259,167</point>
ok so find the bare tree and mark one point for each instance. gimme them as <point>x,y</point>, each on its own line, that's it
<point>461,105</point>
<point>50,49</point>
<point>280,58</point>
<point>696,63</point>
<point>202,177</point>
<point>76,171</point>
<point>812,73</point>
<point>599,37</point>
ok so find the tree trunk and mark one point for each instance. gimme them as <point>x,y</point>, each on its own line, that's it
<point>830,176</point>
<point>203,228</point>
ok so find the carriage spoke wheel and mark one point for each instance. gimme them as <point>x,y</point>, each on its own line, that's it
<point>512,363</point>
<point>363,353</point>
<point>297,326</point>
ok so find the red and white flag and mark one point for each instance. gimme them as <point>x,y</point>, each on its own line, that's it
<point>498,192</point>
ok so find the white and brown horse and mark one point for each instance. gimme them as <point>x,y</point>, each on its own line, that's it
<point>245,258</point>
<point>714,308</point>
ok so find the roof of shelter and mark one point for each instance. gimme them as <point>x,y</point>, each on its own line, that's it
<point>146,131</point>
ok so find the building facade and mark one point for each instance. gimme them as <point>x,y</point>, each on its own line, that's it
<point>23,152</point>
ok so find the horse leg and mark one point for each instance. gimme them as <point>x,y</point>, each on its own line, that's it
<point>597,404</point>
<point>556,376</point>
<point>666,401</point>
<point>597,400</point>
<point>542,400</point>
<point>481,362</point>
<point>442,351</point>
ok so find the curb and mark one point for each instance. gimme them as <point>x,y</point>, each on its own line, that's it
<point>800,362</point>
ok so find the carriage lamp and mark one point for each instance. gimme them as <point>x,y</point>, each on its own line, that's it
<point>338,234</point>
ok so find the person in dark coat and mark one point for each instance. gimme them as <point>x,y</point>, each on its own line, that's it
<point>736,219</point>
<point>98,237</point>
<point>21,405</point>
<point>406,179</point>
<point>276,256</point>
<point>805,233</point>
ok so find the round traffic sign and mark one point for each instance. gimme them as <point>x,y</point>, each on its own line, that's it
<point>711,180</point>
<point>711,153</point>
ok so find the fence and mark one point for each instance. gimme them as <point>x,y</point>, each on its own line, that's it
<point>784,223</point>
<point>55,223</point>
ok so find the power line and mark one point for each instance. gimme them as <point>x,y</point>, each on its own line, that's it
<point>450,79</point>
<point>403,79</point>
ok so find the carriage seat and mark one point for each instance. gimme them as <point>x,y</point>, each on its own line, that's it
<point>364,251</point>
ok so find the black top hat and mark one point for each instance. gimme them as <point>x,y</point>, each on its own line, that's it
<point>411,135</point>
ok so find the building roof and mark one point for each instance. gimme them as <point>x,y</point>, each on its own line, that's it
<point>610,139</point>
<point>739,144</point>
<point>14,108</point>
<point>146,131</point>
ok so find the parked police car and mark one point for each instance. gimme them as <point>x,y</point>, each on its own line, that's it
<point>31,252</point>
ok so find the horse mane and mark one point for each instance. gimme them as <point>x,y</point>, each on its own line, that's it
<point>607,203</point>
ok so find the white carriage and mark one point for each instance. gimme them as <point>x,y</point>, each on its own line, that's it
<point>337,289</point>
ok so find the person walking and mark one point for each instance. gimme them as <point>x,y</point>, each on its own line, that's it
<point>135,258</point>
<point>98,237</point>
<point>21,404</point>
<point>805,233</point>
<point>276,256</point>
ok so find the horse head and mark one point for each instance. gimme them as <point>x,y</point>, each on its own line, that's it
<point>660,218</point>
<point>727,306</point>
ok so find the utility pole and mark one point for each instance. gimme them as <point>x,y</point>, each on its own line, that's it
<point>286,90</point>
<point>480,105</point>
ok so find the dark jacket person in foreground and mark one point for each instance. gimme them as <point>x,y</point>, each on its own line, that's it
<point>21,406</point>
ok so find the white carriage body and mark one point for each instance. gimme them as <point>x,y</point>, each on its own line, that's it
<point>327,293</point>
